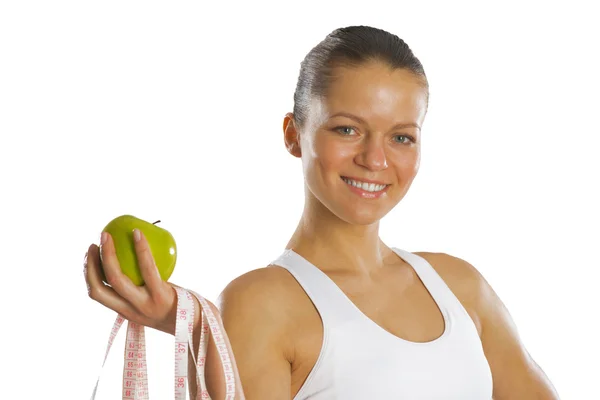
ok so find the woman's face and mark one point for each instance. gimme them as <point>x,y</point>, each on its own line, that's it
<point>366,130</point>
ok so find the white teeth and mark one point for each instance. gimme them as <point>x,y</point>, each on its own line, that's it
<point>369,187</point>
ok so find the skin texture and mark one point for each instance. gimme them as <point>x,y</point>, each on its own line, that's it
<point>273,328</point>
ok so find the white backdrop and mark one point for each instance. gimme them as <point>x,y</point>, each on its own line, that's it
<point>174,112</point>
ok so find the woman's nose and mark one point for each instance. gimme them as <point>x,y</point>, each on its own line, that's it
<point>372,155</point>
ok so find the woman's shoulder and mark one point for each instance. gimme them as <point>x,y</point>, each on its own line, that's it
<point>257,309</point>
<point>463,279</point>
<point>452,268</point>
<point>269,288</point>
<point>264,282</point>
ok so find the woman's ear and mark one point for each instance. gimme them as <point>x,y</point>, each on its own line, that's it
<point>291,136</point>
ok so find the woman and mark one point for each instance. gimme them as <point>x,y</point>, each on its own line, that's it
<point>340,314</point>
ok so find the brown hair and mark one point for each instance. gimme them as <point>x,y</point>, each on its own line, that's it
<point>351,47</point>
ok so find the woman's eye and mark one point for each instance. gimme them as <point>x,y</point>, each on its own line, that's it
<point>348,131</point>
<point>345,130</point>
<point>406,139</point>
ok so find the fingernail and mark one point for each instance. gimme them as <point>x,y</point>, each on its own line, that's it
<point>136,235</point>
<point>103,238</point>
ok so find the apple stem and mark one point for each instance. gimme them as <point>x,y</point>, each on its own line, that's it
<point>156,222</point>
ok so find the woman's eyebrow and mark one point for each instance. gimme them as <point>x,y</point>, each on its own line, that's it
<point>362,121</point>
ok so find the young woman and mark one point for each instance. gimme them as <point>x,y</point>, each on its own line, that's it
<point>340,314</point>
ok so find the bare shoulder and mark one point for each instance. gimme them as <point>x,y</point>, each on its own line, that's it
<point>260,291</point>
<point>266,287</point>
<point>256,313</point>
<point>454,269</point>
<point>515,373</point>
<point>257,306</point>
<point>465,281</point>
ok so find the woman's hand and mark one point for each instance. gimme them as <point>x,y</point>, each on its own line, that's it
<point>153,305</point>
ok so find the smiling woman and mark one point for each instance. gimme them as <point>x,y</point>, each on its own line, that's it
<point>381,107</point>
<point>339,314</point>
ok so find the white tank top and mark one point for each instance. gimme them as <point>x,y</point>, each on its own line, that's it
<point>361,360</point>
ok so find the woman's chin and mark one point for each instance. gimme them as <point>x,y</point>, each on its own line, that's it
<point>362,218</point>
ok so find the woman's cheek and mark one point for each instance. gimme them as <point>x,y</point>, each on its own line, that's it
<point>337,149</point>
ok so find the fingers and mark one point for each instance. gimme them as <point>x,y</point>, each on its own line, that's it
<point>121,283</point>
<point>147,265</point>
<point>100,292</point>
<point>153,304</point>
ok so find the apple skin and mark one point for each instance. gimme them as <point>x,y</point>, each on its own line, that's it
<point>161,242</point>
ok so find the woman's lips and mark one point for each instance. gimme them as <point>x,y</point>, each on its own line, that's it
<point>365,194</point>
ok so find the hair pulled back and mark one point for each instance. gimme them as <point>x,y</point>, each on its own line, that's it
<point>351,46</point>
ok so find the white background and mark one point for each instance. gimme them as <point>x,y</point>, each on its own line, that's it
<point>174,111</point>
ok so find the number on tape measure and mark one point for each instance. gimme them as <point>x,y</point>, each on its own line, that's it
<point>135,377</point>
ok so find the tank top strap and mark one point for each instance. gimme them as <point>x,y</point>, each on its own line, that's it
<point>329,300</point>
<point>434,283</point>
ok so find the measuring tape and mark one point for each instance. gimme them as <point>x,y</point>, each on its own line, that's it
<point>135,379</point>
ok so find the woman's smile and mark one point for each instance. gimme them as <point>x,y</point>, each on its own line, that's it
<point>364,189</point>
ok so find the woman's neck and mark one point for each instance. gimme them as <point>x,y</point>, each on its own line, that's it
<point>336,246</point>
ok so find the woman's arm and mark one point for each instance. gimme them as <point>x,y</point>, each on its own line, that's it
<point>252,310</point>
<point>515,374</point>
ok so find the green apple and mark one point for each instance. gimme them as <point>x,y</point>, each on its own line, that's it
<point>161,242</point>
